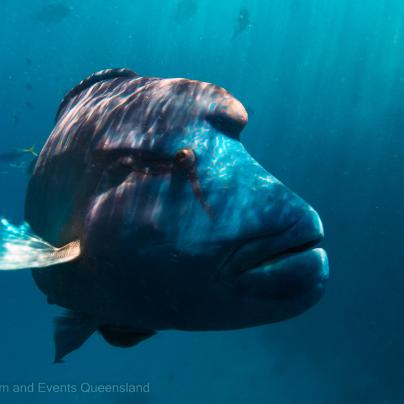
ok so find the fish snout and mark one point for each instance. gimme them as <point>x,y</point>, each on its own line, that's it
<point>299,236</point>
<point>298,280</point>
<point>287,267</point>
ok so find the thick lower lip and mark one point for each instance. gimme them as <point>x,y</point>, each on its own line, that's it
<point>258,252</point>
<point>298,277</point>
<point>314,255</point>
<point>279,258</point>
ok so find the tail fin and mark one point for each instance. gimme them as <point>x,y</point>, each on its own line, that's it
<point>21,249</point>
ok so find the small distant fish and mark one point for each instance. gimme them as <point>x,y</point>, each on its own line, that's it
<point>28,61</point>
<point>243,22</point>
<point>20,164</point>
<point>52,13</point>
<point>13,158</point>
<point>24,159</point>
<point>185,10</point>
<point>28,86</point>
<point>25,166</point>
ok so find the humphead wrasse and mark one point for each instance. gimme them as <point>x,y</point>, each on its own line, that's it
<point>145,212</point>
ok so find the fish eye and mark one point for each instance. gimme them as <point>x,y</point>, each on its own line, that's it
<point>185,158</point>
<point>126,162</point>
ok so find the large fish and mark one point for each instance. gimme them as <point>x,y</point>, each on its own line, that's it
<point>145,213</point>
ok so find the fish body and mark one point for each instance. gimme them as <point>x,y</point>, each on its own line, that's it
<point>174,225</point>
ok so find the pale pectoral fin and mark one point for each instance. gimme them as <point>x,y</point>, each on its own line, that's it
<point>71,331</point>
<point>123,337</point>
<point>21,249</point>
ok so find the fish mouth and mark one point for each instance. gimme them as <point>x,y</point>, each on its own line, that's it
<point>282,267</point>
<point>298,280</point>
<point>292,252</point>
<point>296,241</point>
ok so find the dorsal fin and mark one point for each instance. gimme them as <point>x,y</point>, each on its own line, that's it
<point>103,75</point>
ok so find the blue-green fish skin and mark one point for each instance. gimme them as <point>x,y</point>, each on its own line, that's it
<point>178,226</point>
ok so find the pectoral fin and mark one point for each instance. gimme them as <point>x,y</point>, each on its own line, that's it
<point>21,249</point>
<point>71,331</point>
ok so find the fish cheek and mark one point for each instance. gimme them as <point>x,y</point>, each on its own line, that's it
<point>121,229</point>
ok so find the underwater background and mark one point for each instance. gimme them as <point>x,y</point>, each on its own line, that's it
<point>323,81</point>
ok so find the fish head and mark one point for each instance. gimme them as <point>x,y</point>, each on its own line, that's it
<point>191,222</point>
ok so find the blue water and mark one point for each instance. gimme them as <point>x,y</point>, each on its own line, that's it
<point>324,84</point>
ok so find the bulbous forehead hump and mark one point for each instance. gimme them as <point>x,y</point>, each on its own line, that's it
<point>169,106</point>
<point>124,111</point>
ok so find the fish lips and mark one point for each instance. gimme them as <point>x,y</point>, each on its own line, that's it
<point>281,267</point>
<point>299,277</point>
